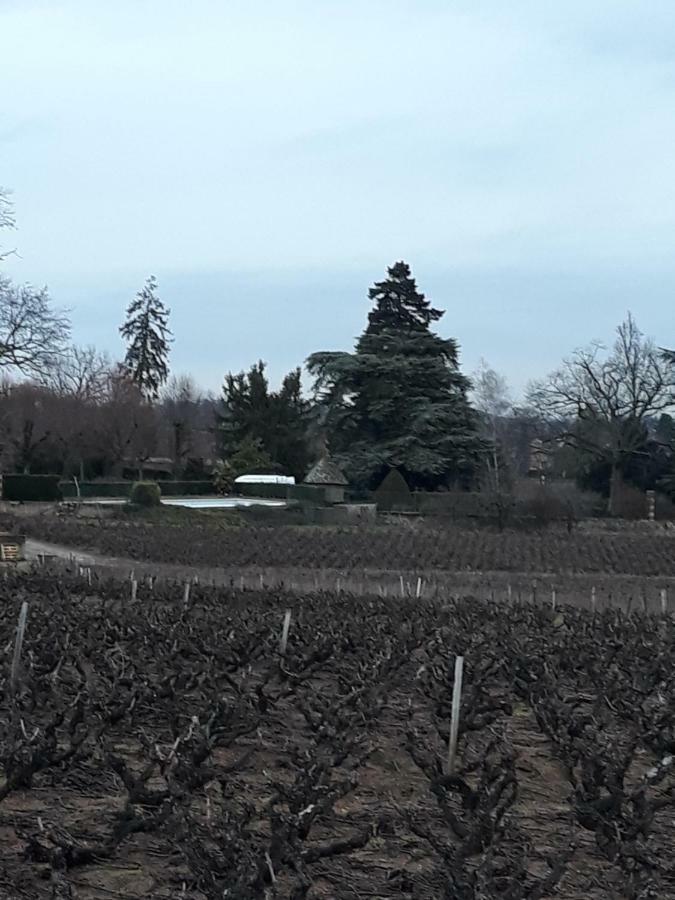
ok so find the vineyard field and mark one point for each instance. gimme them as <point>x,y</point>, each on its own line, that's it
<point>421,547</point>
<point>166,747</point>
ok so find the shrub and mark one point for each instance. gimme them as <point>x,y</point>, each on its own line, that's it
<point>223,477</point>
<point>664,507</point>
<point>394,492</point>
<point>146,494</point>
<point>44,488</point>
<point>630,503</point>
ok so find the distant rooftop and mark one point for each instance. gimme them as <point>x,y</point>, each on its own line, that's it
<point>326,472</point>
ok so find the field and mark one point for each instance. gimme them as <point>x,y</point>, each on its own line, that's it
<point>626,567</point>
<point>165,747</point>
<point>420,547</point>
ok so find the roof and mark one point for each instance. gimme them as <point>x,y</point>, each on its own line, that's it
<point>326,472</point>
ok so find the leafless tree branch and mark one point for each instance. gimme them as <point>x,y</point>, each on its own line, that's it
<point>33,334</point>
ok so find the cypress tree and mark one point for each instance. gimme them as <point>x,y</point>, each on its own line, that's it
<point>148,337</point>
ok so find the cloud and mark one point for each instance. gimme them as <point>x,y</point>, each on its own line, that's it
<point>516,144</point>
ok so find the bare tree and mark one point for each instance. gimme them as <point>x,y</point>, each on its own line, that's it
<point>81,372</point>
<point>6,216</point>
<point>181,405</point>
<point>492,399</point>
<point>601,399</point>
<point>32,333</point>
<point>126,426</point>
<point>26,423</point>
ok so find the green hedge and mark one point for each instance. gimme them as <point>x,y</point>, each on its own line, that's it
<point>89,489</point>
<point>302,493</point>
<point>146,494</point>
<point>186,488</point>
<point>312,495</point>
<point>267,491</point>
<point>43,488</point>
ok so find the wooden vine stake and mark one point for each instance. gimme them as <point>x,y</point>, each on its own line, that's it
<point>284,632</point>
<point>454,718</point>
<point>553,598</point>
<point>664,601</point>
<point>18,644</point>
<point>418,590</point>
<point>594,600</point>
<point>134,590</point>
<point>186,594</point>
<point>402,587</point>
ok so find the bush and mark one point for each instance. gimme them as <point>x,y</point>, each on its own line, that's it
<point>394,492</point>
<point>553,501</point>
<point>43,488</point>
<point>223,477</point>
<point>664,507</point>
<point>630,503</point>
<point>146,494</point>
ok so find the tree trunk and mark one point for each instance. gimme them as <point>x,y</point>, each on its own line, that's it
<point>615,485</point>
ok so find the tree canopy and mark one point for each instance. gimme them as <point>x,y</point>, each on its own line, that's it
<point>276,421</point>
<point>400,400</point>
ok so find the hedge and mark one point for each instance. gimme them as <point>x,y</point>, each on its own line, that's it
<point>314,495</point>
<point>89,489</point>
<point>267,491</point>
<point>43,488</point>
<point>146,494</point>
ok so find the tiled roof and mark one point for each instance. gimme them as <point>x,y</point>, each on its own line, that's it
<point>326,472</point>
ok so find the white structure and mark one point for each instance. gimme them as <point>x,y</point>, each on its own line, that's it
<point>265,479</point>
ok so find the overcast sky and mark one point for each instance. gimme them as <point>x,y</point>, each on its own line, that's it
<point>268,160</point>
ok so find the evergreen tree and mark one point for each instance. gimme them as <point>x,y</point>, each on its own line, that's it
<point>147,334</point>
<point>400,400</point>
<point>276,420</point>
<point>398,304</point>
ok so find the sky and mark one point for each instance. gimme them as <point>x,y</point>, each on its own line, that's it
<point>267,161</point>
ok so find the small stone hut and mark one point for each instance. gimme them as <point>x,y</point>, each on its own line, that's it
<point>327,474</point>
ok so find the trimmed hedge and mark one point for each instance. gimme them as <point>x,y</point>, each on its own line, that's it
<point>89,489</point>
<point>313,495</point>
<point>394,493</point>
<point>267,491</point>
<point>146,494</point>
<point>44,488</point>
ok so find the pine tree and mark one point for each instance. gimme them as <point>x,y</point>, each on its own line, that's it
<point>398,304</point>
<point>400,400</point>
<point>147,334</point>
<point>277,420</point>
